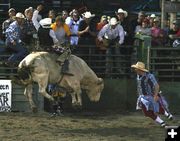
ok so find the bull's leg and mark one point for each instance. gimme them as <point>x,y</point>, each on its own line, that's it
<point>76,97</point>
<point>78,94</point>
<point>28,93</point>
<point>73,87</point>
<point>43,82</point>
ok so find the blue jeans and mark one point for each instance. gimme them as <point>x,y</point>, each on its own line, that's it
<point>19,52</point>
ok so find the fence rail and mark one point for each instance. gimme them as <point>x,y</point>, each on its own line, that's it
<point>165,63</point>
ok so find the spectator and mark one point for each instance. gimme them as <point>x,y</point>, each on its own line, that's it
<point>103,22</point>
<point>144,28</point>
<point>26,11</point>
<point>74,26</point>
<point>151,19</point>
<point>174,33</point>
<point>52,15</point>
<point>28,28</point>
<point>13,40</point>
<point>122,18</point>
<point>6,23</point>
<point>47,37</point>
<point>158,36</point>
<point>61,31</point>
<point>66,16</point>
<point>136,22</point>
<point>112,36</point>
<point>37,17</point>
<point>87,34</point>
<point>100,25</point>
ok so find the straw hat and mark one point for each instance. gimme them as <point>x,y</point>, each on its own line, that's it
<point>113,21</point>
<point>88,15</point>
<point>139,66</point>
<point>20,15</point>
<point>120,10</point>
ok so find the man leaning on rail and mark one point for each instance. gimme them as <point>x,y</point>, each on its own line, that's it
<point>14,42</point>
<point>112,36</point>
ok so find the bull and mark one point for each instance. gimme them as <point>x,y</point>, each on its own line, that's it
<point>41,67</point>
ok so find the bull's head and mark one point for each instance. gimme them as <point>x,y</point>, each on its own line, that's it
<point>94,92</point>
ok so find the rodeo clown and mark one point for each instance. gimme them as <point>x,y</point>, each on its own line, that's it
<point>150,100</point>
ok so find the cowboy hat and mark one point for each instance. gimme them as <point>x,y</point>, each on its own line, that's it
<point>20,15</point>
<point>46,22</point>
<point>156,19</point>
<point>120,10</point>
<point>88,15</point>
<point>153,16</point>
<point>113,21</point>
<point>139,66</point>
<point>11,9</point>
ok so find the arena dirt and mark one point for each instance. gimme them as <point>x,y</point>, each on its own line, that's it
<point>82,126</point>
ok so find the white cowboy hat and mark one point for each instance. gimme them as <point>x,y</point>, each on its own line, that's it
<point>113,21</point>
<point>20,15</point>
<point>156,19</point>
<point>11,9</point>
<point>88,15</point>
<point>139,66</point>
<point>153,16</point>
<point>120,10</point>
<point>46,22</point>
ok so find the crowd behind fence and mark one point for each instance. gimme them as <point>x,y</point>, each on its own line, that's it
<point>164,62</point>
<point>125,41</point>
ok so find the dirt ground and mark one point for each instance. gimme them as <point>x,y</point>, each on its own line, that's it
<point>82,126</point>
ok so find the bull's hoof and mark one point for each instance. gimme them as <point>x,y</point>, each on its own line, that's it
<point>77,107</point>
<point>51,99</point>
<point>34,109</point>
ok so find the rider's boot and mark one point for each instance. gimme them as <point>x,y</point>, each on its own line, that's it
<point>65,68</point>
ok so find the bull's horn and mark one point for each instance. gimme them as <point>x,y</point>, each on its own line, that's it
<point>100,81</point>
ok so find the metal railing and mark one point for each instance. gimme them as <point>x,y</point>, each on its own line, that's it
<point>165,63</point>
<point>95,58</point>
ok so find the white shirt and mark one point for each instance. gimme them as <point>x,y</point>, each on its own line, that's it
<point>35,19</point>
<point>110,33</point>
<point>53,36</point>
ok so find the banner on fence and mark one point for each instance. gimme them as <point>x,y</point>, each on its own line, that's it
<point>5,95</point>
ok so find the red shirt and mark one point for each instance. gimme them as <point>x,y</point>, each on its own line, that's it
<point>178,33</point>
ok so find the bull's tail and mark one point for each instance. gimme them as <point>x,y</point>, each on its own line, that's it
<point>24,74</point>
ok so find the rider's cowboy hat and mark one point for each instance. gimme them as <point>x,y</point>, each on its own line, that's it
<point>139,66</point>
<point>113,21</point>
<point>46,22</point>
<point>20,15</point>
<point>120,10</point>
<point>88,15</point>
